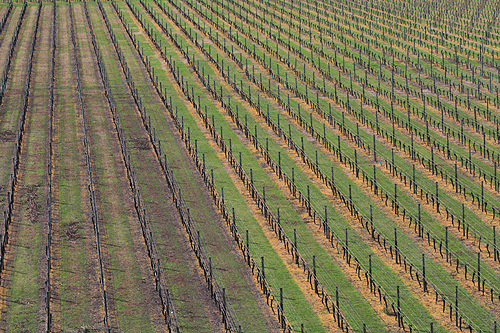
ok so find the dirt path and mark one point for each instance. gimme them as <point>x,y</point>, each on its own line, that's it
<point>110,174</point>
<point>3,10</point>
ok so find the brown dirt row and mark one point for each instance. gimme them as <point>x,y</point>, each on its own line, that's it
<point>3,10</point>
<point>30,273</point>
<point>12,101</point>
<point>64,56</point>
<point>109,179</point>
<point>136,298</point>
<point>100,158</point>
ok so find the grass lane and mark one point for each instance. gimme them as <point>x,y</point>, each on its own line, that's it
<point>26,288</point>
<point>75,284</point>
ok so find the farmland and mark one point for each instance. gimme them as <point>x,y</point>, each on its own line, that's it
<point>250,166</point>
